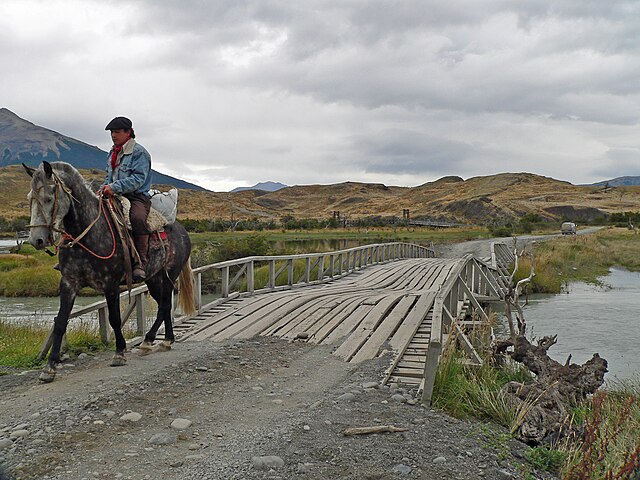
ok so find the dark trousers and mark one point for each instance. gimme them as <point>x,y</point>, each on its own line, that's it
<point>140,206</point>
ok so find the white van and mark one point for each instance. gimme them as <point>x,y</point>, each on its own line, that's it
<point>568,228</point>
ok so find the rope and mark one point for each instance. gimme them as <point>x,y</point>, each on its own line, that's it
<point>76,241</point>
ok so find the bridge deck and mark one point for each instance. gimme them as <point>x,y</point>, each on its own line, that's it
<point>381,308</point>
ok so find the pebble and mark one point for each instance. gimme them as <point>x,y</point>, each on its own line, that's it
<point>438,460</point>
<point>202,369</point>
<point>131,417</point>
<point>5,443</point>
<point>181,424</point>
<point>504,475</point>
<point>267,462</point>
<point>347,397</point>
<point>163,439</point>
<point>19,433</point>
<point>22,426</point>
<point>401,469</point>
<point>399,398</point>
<point>367,385</point>
<point>194,446</point>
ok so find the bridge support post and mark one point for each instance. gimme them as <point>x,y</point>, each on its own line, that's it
<point>250,277</point>
<point>225,282</point>
<point>433,353</point>
<point>141,314</point>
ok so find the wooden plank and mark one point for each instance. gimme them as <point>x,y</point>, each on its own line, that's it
<point>348,324</point>
<point>385,330</point>
<point>401,338</point>
<point>369,323</point>
<point>222,321</point>
<point>321,330</point>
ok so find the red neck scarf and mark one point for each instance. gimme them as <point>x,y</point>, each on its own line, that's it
<point>114,156</point>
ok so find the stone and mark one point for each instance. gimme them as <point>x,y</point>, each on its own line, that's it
<point>267,462</point>
<point>367,385</point>
<point>439,460</point>
<point>131,417</point>
<point>19,434</point>
<point>181,424</point>
<point>347,397</point>
<point>401,469</point>
<point>163,439</point>
<point>398,398</point>
<point>5,443</point>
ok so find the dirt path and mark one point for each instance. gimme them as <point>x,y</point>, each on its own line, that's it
<point>256,409</point>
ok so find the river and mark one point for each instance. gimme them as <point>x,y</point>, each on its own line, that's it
<point>592,319</point>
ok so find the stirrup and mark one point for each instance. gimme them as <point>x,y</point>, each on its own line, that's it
<point>138,275</point>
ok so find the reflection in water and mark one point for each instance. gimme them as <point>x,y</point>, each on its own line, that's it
<point>590,319</point>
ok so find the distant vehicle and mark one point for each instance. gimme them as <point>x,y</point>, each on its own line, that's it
<point>568,228</point>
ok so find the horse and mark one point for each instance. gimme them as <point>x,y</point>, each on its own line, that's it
<point>67,214</point>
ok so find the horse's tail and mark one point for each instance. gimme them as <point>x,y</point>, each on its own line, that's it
<point>186,297</point>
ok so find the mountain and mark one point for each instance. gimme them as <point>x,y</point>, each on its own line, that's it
<point>264,186</point>
<point>23,142</point>
<point>618,182</point>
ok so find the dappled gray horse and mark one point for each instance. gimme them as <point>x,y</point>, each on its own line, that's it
<point>91,254</point>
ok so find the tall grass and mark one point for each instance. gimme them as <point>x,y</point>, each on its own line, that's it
<point>607,449</point>
<point>28,275</point>
<point>581,258</point>
<point>610,445</point>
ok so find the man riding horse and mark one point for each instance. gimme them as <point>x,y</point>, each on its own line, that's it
<point>129,175</point>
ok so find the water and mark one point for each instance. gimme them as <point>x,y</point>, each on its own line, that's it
<point>6,244</point>
<point>36,309</point>
<point>592,319</point>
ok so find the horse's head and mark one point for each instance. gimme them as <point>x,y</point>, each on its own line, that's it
<point>50,200</point>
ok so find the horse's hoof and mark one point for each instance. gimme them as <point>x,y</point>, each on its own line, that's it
<point>145,348</point>
<point>47,375</point>
<point>118,360</point>
<point>164,346</point>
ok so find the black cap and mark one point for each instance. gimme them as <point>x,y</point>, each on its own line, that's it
<point>119,123</point>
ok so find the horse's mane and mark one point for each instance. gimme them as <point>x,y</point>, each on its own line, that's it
<point>71,176</point>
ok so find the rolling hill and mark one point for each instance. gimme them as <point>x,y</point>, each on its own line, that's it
<point>477,200</point>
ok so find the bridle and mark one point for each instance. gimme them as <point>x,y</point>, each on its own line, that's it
<point>58,186</point>
<point>67,240</point>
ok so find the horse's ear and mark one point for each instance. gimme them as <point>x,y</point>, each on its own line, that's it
<point>29,170</point>
<point>47,169</point>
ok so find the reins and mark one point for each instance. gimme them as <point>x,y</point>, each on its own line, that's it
<point>76,241</point>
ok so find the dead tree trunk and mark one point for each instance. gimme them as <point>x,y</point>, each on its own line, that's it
<point>543,404</point>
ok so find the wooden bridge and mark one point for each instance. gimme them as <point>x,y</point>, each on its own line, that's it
<point>393,299</point>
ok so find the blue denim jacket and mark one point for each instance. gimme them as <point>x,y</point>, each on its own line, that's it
<point>133,172</point>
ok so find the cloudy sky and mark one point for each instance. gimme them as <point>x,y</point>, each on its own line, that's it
<point>231,93</point>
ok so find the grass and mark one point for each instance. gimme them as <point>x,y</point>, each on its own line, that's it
<point>581,258</point>
<point>372,235</point>
<point>20,343</point>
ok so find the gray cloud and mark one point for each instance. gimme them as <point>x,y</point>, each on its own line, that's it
<point>235,92</point>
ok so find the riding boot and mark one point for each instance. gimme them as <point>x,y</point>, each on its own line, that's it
<point>142,246</point>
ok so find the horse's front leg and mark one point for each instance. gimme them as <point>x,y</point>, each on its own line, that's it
<point>67,298</point>
<point>113,304</point>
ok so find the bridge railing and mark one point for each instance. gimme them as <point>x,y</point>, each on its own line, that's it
<point>257,274</point>
<point>470,281</point>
